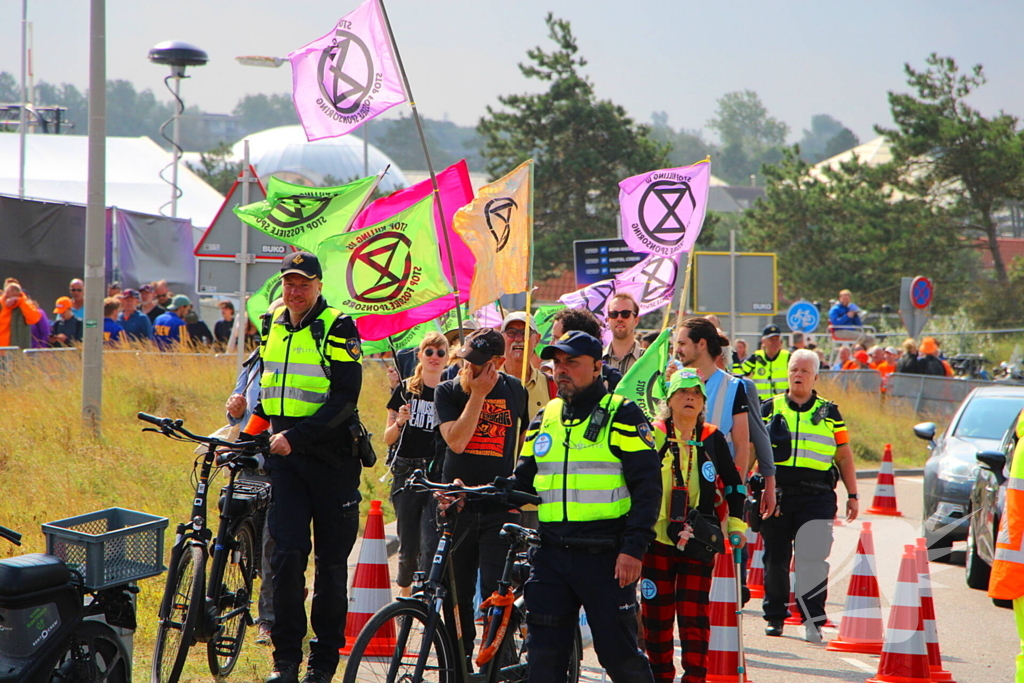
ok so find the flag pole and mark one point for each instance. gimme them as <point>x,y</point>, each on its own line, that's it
<point>689,266</point>
<point>430,165</point>
<point>527,350</point>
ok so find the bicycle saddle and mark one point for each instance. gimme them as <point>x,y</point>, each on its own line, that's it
<point>30,573</point>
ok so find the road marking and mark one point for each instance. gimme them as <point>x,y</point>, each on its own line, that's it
<point>916,480</point>
<point>863,666</point>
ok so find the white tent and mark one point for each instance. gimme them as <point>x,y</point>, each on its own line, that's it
<point>56,169</point>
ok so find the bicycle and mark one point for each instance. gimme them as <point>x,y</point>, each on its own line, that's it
<point>410,641</point>
<point>215,611</point>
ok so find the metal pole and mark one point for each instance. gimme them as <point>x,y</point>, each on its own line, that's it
<point>23,113</point>
<point>430,167</point>
<point>177,146</point>
<point>366,149</point>
<point>92,353</point>
<point>732,286</point>
<point>243,282</point>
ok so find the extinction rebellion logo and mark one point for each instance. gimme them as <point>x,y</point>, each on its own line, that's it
<point>498,213</point>
<point>294,215</point>
<point>664,213</point>
<point>659,279</point>
<point>381,275</point>
<point>347,78</point>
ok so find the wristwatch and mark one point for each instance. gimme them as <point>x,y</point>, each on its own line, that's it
<point>853,496</point>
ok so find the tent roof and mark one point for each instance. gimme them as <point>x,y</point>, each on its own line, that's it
<point>56,169</point>
<point>872,153</point>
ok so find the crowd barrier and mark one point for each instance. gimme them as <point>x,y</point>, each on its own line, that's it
<point>932,395</point>
<point>862,381</point>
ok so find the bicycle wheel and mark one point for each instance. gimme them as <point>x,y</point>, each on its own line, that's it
<point>390,644</point>
<point>233,595</point>
<point>175,633</point>
<point>512,662</point>
<point>92,654</point>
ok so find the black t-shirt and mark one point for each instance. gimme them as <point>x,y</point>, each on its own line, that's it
<point>222,330</point>
<point>492,450</point>
<point>156,312</point>
<point>417,437</point>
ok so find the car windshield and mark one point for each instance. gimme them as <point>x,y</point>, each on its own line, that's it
<point>988,417</point>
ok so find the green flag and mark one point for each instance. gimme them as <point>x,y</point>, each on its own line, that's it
<point>392,266</point>
<point>306,216</point>
<point>260,301</point>
<point>643,383</point>
<point>409,339</point>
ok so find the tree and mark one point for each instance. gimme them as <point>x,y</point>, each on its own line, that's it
<point>10,91</point>
<point>582,146</point>
<point>259,112</point>
<point>972,163</point>
<point>853,227</point>
<point>826,138</point>
<point>685,146</point>
<point>216,169</point>
<point>750,137</point>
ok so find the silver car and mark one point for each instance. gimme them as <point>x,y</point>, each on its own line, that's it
<point>978,425</point>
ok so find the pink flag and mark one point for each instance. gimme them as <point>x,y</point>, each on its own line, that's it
<point>663,211</point>
<point>651,282</point>
<point>347,77</point>
<point>456,191</point>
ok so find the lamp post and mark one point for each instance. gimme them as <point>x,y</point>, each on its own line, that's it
<point>177,54</point>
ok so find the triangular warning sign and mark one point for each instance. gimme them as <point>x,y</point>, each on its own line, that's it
<point>223,239</point>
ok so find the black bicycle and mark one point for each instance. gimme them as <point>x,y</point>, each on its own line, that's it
<point>414,639</point>
<point>214,611</point>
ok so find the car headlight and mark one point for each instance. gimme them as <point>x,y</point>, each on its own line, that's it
<point>954,469</point>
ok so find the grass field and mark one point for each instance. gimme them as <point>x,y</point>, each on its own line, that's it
<point>52,467</point>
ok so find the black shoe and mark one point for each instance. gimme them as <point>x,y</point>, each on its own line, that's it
<point>318,675</point>
<point>284,672</point>
<point>746,596</point>
<point>774,628</point>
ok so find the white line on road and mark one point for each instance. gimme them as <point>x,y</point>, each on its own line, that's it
<point>863,666</point>
<point>916,480</point>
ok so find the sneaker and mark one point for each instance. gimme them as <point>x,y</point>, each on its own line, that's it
<point>262,634</point>
<point>284,672</point>
<point>317,676</point>
<point>812,634</point>
<point>774,628</point>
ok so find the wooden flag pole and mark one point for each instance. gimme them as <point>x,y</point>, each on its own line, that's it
<point>689,265</point>
<point>430,166</point>
<point>527,349</point>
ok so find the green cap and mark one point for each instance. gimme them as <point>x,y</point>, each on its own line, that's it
<point>683,379</point>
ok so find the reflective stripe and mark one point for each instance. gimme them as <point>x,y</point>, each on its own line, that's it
<point>294,368</point>
<point>813,455</point>
<point>823,439</point>
<point>294,394</point>
<point>546,466</point>
<point>813,445</point>
<point>585,496</point>
<point>1015,483</point>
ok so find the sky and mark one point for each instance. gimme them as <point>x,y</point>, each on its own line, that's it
<point>802,57</point>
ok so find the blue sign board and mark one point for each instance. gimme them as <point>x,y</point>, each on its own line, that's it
<point>803,316</point>
<point>597,260</point>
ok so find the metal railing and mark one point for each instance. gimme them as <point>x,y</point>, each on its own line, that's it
<point>862,381</point>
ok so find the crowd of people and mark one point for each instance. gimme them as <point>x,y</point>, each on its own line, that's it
<point>151,314</point>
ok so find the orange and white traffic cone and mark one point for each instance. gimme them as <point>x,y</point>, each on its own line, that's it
<point>931,631</point>
<point>371,587</point>
<point>884,502</point>
<point>904,652</point>
<point>723,650</point>
<point>755,575</point>
<point>860,629</point>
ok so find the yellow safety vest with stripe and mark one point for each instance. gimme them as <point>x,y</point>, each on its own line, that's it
<point>771,377</point>
<point>813,445</point>
<point>1007,579</point>
<point>295,381</point>
<point>580,480</point>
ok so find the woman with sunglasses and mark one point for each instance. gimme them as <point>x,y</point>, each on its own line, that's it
<point>410,438</point>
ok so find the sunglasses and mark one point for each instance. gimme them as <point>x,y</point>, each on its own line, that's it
<point>514,333</point>
<point>625,315</point>
<point>76,290</point>
<point>429,352</point>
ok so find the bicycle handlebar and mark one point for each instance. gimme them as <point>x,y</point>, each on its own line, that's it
<point>259,445</point>
<point>500,488</point>
<point>11,535</point>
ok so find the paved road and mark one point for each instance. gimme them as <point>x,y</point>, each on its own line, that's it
<point>978,640</point>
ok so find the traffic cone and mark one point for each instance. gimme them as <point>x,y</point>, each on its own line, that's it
<point>860,629</point>
<point>755,575</point>
<point>884,502</point>
<point>931,631</point>
<point>904,652</point>
<point>723,650</point>
<point>371,588</point>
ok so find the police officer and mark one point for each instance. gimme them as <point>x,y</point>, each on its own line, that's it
<point>811,446</point>
<point>1007,581</point>
<point>309,389</point>
<point>768,367</point>
<point>590,457</point>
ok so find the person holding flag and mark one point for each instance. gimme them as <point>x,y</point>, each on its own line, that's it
<point>312,375</point>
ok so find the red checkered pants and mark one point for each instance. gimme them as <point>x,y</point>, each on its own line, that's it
<point>673,585</point>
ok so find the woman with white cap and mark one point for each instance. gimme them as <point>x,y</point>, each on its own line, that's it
<point>699,481</point>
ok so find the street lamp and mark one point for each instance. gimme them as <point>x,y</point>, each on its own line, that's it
<point>177,54</point>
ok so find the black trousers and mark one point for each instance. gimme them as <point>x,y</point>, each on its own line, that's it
<point>414,512</point>
<point>806,524</point>
<point>306,491</point>
<point>561,580</point>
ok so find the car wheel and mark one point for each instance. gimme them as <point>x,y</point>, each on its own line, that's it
<point>977,572</point>
<point>940,547</point>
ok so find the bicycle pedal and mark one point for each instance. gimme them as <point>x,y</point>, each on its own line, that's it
<point>225,646</point>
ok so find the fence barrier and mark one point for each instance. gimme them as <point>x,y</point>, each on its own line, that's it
<point>862,381</point>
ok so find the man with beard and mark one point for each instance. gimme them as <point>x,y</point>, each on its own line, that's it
<point>623,316</point>
<point>521,348</point>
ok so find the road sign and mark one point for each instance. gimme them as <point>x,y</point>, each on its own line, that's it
<point>921,291</point>
<point>803,316</point>
<point>220,275</point>
<point>596,260</point>
<point>913,292</point>
<point>223,239</point>
<point>755,283</point>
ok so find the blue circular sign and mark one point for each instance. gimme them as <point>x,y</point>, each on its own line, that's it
<point>921,291</point>
<point>803,316</point>
<point>542,444</point>
<point>648,590</point>
<point>708,471</point>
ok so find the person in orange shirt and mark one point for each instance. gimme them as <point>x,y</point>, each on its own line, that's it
<point>17,316</point>
<point>859,361</point>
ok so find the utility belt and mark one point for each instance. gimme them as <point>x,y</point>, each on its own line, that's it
<point>401,467</point>
<point>588,544</point>
<point>807,488</point>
